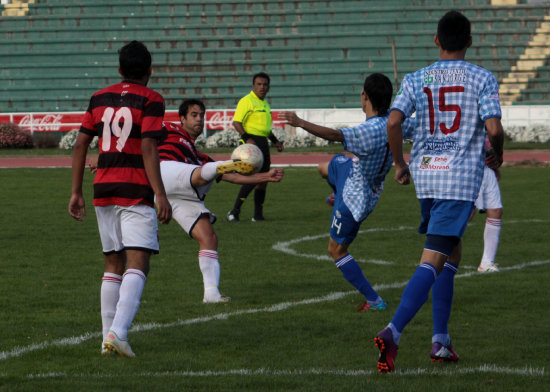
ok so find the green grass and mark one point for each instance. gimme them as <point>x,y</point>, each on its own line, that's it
<point>283,330</point>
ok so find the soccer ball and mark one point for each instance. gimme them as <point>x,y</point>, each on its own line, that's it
<point>249,153</point>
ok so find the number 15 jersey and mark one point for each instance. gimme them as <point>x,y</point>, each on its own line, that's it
<point>452,100</point>
<point>121,115</point>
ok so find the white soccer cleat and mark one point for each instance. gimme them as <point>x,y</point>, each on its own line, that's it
<point>234,166</point>
<point>488,268</point>
<point>216,300</point>
<point>120,347</point>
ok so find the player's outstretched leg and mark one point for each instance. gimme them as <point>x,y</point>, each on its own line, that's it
<point>236,166</point>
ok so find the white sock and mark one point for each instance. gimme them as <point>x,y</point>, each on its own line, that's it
<point>110,287</point>
<point>210,268</point>
<point>208,170</point>
<point>491,237</point>
<point>131,288</point>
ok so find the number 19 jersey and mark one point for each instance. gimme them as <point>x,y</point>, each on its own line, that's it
<point>121,115</point>
<point>452,100</point>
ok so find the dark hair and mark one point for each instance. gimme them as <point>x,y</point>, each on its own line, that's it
<point>453,31</point>
<point>134,60</point>
<point>261,75</point>
<point>379,90</point>
<point>184,107</point>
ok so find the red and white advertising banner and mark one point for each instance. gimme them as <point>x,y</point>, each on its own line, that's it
<point>67,121</point>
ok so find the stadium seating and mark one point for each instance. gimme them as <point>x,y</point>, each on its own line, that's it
<point>316,51</point>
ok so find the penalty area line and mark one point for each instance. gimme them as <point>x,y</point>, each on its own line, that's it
<point>76,340</point>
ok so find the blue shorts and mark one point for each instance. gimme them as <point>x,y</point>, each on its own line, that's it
<point>343,227</point>
<point>447,218</point>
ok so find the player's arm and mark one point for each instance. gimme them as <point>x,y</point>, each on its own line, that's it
<point>274,175</point>
<point>496,138</point>
<point>276,142</point>
<point>77,206</point>
<point>395,138</point>
<point>152,168</point>
<point>317,130</point>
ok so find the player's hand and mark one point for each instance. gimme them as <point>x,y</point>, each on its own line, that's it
<point>492,160</point>
<point>402,175</point>
<point>77,207</point>
<point>164,209</point>
<point>280,146</point>
<point>276,175</point>
<point>290,118</point>
<point>92,164</point>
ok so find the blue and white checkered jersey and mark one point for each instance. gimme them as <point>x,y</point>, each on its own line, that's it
<point>373,159</point>
<point>452,99</point>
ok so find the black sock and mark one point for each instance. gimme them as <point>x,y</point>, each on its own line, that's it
<point>259,198</point>
<point>243,194</point>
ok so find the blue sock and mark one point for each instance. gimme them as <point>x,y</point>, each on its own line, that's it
<point>414,295</point>
<point>442,296</point>
<point>353,274</point>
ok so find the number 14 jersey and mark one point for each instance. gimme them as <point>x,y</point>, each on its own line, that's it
<point>452,100</point>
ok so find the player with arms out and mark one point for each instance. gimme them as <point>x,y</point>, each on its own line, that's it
<point>188,175</point>
<point>357,182</point>
<point>454,101</point>
<point>127,118</point>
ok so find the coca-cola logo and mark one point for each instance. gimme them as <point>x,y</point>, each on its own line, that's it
<point>48,122</point>
<point>217,120</point>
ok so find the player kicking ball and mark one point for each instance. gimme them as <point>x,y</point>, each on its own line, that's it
<point>357,182</point>
<point>188,175</point>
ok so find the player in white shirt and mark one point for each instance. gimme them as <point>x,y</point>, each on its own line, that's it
<point>454,102</point>
<point>489,202</point>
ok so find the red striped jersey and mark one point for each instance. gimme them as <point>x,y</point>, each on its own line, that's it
<point>121,115</point>
<point>177,145</point>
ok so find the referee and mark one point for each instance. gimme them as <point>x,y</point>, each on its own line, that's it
<point>252,120</point>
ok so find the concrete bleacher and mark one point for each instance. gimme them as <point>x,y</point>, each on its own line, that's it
<point>317,52</point>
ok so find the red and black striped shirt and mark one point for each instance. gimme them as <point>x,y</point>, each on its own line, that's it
<point>177,145</point>
<point>121,115</point>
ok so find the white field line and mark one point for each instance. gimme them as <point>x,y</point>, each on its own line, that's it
<point>286,246</point>
<point>76,340</point>
<point>434,371</point>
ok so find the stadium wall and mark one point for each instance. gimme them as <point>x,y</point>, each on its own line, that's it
<point>514,116</point>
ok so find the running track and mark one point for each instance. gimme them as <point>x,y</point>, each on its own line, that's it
<point>277,159</point>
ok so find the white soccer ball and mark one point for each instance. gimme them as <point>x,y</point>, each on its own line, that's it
<point>249,153</point>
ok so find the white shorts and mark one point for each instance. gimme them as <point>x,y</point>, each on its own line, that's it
<point>133,227</point>
<point>176,177</point>
<point>489,194</point>
<point>188,212</point>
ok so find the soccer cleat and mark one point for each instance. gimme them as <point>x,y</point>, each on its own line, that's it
<point>488,269</point>
<point>366,306</point>
<point>120,347</point>
<point>105,350</point>
<point>232,216</point>
<point>330,199</point>
<point>235,166</point>
<point>388,351</point>
<point>443,353</point>
<point>220,299</point>
<point>258,219</point>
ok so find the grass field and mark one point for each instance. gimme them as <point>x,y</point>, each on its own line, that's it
<point>291,324</point>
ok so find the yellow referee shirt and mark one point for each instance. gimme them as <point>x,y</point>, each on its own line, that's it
<point>254,114</point>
